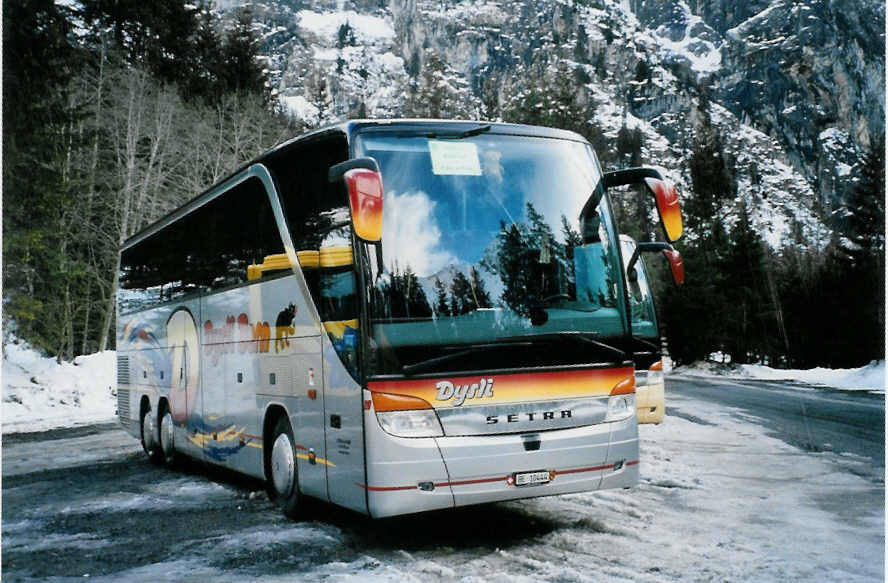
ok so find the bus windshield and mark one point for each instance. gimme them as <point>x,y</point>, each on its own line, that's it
<point>494,246</point>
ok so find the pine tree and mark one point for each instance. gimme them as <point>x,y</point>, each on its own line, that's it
<point>442,308</point>
<point>866,206</point>
<point>480,296</point>
<point>240,50</point>
<point>864,285</point>
<point>157,35</point>
<point>37,140</point>
<point>461,292</point>
<point>749,317</point>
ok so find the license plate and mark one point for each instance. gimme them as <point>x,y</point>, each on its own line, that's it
<point>531,478</point>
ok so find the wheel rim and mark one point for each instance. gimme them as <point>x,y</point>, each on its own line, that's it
<point>147,430</point>
<point>166,434</point>
<point>283,468</point>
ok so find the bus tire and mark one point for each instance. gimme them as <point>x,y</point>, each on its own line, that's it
<point>282,477</point>
<point>166,441</point>
<point>150,436</point>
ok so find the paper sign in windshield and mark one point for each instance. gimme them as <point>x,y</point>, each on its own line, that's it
<point>454,158</point>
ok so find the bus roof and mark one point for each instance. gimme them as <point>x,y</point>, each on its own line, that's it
<point>348,129</point>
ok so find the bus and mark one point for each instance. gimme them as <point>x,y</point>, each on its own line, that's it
<point>390,316</point>
<point>650,388</point>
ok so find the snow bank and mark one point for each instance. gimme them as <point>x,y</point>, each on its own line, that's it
<point>866,378</point>
<point>39,394</point>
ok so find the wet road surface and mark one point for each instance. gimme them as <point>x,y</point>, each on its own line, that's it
<point>717,502</point>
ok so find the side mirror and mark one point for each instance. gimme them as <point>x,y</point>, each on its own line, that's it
<point>676,265</point>
<point>365,192</point>
<point>663,191</point>
<point>667,206</point>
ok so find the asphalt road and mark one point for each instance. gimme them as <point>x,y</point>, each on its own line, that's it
<point>84,503</point>
<point>813,419</point>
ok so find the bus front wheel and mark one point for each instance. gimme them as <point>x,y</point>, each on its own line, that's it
<point>282,474</point>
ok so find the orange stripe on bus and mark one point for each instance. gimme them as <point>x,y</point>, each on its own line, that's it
<point>511,388</point>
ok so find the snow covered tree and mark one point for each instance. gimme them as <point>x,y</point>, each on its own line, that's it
<point>241,71</point>
<point>441,307</point>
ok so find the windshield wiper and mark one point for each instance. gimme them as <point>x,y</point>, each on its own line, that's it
<point>411,369</point>
<point>512,342</point>
<point>577,336</point>
<point>646,343</point>
<point>459,136</point>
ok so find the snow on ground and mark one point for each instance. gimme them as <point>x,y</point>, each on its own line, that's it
<point>719,500</point>
<point>866,378</point>
<point>40,394</point>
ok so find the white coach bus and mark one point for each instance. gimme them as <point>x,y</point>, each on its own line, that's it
<point>471,343</point>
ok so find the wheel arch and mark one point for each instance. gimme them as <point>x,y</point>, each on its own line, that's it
<point>144,406</point>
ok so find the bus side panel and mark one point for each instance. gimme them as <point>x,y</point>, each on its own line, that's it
<point>291,374</point>
<point>288,373</point>
<point>261,346</point>
<point>142,339</point>
<point>227,370</point>
<point>182,333</point>
<point>307,415</point>
<point>343,417</point>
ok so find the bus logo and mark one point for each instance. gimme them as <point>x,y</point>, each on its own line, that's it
<point>459,393</point>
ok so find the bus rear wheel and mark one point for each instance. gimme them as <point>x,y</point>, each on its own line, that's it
<point>282,476</point>
<point>150,437</point>
<point>167,444</point>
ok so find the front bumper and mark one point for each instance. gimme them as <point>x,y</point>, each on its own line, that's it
<point>413,475</point>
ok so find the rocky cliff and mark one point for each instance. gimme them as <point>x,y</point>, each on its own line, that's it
<point>795,89</point>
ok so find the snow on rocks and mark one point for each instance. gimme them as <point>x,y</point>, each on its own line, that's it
<point>327,25</point>
<point>40,394</point>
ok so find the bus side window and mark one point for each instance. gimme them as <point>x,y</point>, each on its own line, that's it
<point>312,205</point>
<point>209,249</point>
<point>243,234</point>
<point>318,218</point>
<point>157,271</point>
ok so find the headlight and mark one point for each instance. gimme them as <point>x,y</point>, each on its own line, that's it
<point>422,423</point>
<point>406,416</point>
<point>620,407</point>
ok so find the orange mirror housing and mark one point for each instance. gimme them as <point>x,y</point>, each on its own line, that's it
<point>668,206</point>
<point>676,265</point>
<point>365,198</point>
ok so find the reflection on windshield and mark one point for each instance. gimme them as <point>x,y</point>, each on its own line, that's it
<point>490,237</point>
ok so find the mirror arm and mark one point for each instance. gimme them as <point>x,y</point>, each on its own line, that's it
<point>380,264</point>
<point>630,268</point>
<point>337,171</point>
<point>629,176</point>
<point>645,248</point>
